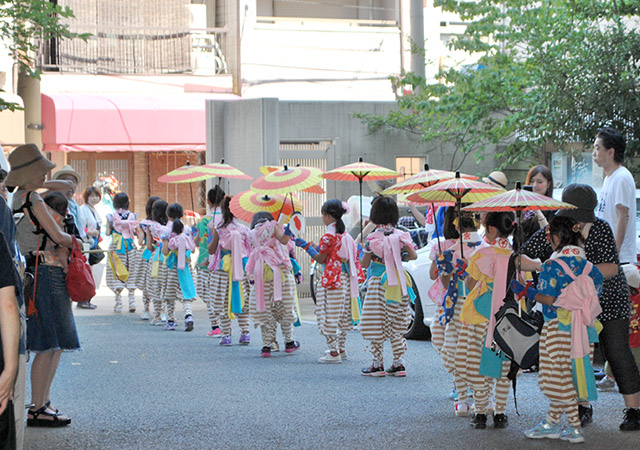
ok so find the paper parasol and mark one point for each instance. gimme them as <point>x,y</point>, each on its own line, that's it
<point>245,204</point>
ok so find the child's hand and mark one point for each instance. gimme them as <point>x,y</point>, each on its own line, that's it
<point>461,268</point>
<point>522,290</point>
<point>300,242</point>
<point>444,263</point>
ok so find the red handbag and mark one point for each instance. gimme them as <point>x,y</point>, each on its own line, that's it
<point>80,283</point>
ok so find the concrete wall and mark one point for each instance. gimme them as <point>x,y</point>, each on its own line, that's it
<point>247,134</point>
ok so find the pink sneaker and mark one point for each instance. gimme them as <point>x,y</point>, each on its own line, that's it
<point>214,333</point>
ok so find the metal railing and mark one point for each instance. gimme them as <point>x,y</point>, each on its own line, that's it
<point>138,50</point>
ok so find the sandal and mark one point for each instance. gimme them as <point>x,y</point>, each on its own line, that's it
<point>34,420</point>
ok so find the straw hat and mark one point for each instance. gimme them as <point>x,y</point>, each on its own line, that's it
<point>27,164</point>
<point>66,170</point>
<point>496,178</point>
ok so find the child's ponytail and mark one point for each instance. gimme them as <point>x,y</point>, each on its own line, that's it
<point>225,208</point>
<point>335,208</point>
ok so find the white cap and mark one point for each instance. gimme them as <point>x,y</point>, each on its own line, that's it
<point>632,274</point>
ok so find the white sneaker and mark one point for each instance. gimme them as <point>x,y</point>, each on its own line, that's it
<point>343,354</point>
<point>117,308</point>
<point>461,409</point>
<point>275,347</point>
<point>145,315</point>
<point>163,317</point>
<point>328,358</point>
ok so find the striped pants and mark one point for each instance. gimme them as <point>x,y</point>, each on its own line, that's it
<point>275,312</point>
<point>141,274</point>
<point>205,293</point>
<point>471,340</point>
<point>129,261</point>
<point>556,374</point>
<point>333,313</point>
<point>380,321</point>
<point>437,331</point>
<point>449,349</point>
<point>220,288</point>
<point>156,287</point>
<point>173,292</point>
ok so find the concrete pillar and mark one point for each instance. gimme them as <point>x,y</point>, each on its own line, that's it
<point>29,90</point>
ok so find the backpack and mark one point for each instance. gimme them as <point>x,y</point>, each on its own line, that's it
<point>517,334</point>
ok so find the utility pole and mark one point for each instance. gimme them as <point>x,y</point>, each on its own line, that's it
<point>417,37</point>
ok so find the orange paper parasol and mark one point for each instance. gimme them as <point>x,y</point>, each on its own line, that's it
<point>456,189</point>
<point>317,189</point>
<point>358,172</point>
<point>222,170</point>
<point>246,204</point>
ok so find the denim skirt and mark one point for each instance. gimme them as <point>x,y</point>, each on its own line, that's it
<point>53,326</point>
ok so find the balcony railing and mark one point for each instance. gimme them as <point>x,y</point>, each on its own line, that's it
<point>139,51</point>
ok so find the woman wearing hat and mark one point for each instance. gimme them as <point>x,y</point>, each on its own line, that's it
<point>51,328</point>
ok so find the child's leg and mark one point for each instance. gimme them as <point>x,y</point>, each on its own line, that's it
<point>373,319</point>
<point>345,322</point>
<point>398,317</point>
<point>330,305</point>
<point>377,351</point>
<point>171,293</point>
<point>469,376</point>
<point>220,283</point>
<point>244,317</point>
<point>437,331</point>
<point>283,310</point>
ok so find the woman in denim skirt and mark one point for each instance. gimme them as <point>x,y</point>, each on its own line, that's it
<point>51,328</point>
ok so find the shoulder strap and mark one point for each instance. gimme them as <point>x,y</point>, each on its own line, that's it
<point>39,229</point>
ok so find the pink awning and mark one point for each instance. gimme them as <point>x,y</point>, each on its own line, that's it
<point>118,122</point>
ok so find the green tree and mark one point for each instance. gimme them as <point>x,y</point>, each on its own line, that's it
<point>26,23</point>
<point>549,72</point>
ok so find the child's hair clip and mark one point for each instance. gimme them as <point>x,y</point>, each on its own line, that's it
<point>576,228</point>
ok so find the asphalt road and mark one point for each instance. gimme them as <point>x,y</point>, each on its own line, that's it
<point>135,386</point>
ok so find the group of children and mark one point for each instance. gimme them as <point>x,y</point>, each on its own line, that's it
<point>250,272</point>
<point>245,273</point>
<point>470,270</point>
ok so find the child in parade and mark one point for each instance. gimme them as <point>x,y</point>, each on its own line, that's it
<point>337,296</point>
<point>121,226</point>
<point>273,291</point>
<point>177,245</point>
<point>566,375</point>
<point>144,259</point>
<point>204,288</point>
<point>177,248</point>
<point>385,311</point>
<point>451,279</point>
<point>157,277</point>
<point>477,364</point>
<point>438,291</point>
<point>230,247</point>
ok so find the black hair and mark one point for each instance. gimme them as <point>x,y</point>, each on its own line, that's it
<point>384,211</point>
<point>215,195</point>
<point>467,221</point>
<point>562,226</point>
<point>545,172</point>
<point>159,212</point>
<point>527,228</point>
<point>89,191</point>
<point>227,215</point>
<point>502,221</point>
<point>259,217</point>
<point>449,230</point>
<point>121,201</point>
<point>148,209</point>
<point>612,138</point>
<point>335,209</point>
<point>3,175</point>
<point>57,201</point>
<point>175,211</point>
<point>177,227</point>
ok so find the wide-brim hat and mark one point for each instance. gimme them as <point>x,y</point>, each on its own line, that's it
<point>584,198</point>
<point>66,170</point>
<point>496,178</point>
<point>27,164</point>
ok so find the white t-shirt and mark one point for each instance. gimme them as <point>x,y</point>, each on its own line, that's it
<point>619,188</point>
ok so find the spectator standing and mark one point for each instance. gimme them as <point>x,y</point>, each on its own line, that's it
<point>9,343</point>
<point>618,196</point>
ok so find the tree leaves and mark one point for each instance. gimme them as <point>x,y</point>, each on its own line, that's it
<point>548,72</point>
